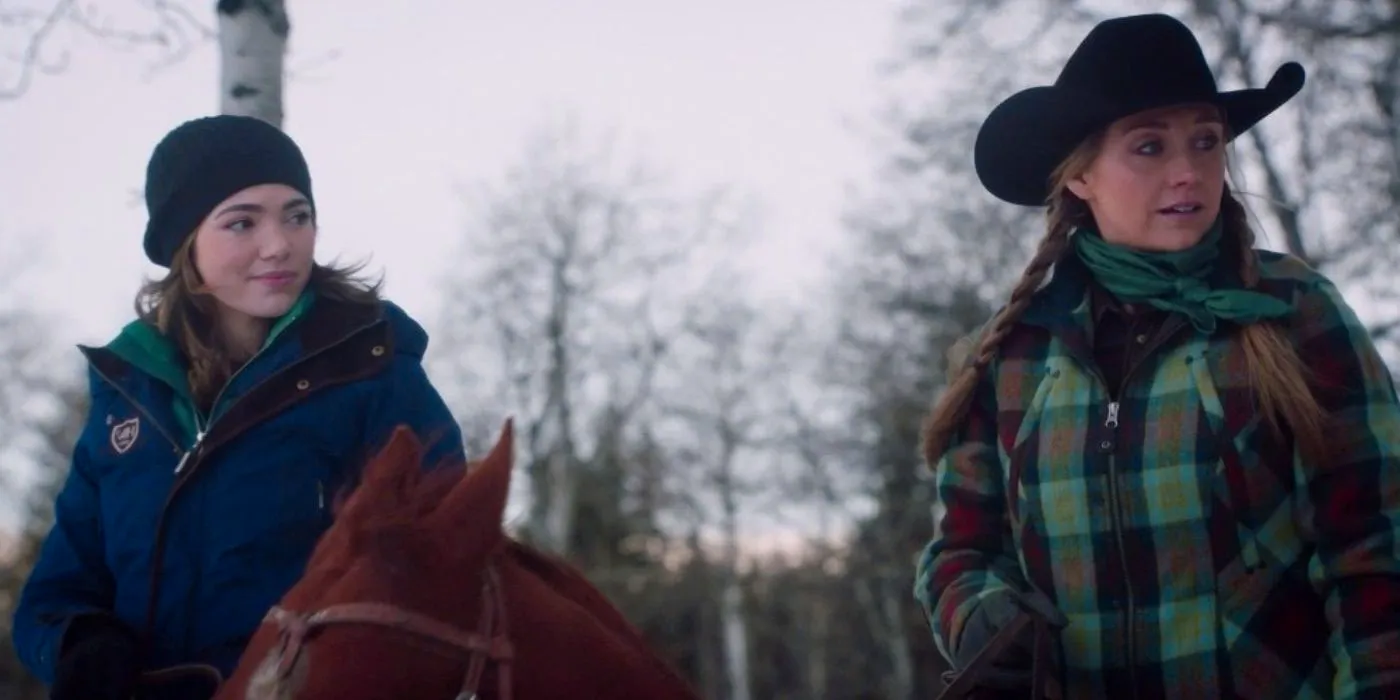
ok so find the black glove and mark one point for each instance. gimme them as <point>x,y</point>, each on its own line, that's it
<point>98,659</point>
<point>995,612</point>
<point>1012,671</point>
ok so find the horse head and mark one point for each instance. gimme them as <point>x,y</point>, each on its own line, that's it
<point>416,591</point>
<point>398,594</point>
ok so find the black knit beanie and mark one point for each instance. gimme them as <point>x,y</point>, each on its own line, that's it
<point>205,161</point>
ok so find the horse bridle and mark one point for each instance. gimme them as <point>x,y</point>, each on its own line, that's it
<point>490,642</point>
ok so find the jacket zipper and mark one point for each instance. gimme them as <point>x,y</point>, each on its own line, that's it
<point>187,465</point>
<point>1115,504</point>
<point>199,438</point>
<point>202,426</point>
<point>1168,331</point>
<point>1114,497</point>
<point>1111,421</point>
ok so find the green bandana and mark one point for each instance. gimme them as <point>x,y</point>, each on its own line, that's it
<point>1175,281</point>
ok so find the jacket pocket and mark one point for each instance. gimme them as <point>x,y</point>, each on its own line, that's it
<point>1253,484</point>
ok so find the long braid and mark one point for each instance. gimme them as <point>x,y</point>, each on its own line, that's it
<point>1276,372</point>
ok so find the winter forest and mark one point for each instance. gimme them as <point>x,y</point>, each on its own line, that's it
<point>741,475</point>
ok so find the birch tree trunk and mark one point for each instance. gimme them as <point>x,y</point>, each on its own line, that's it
<point>736,652</point>
<point>733,622</point>
<point>252,52</point>
<point>819,602</point>
<point>555,513</point>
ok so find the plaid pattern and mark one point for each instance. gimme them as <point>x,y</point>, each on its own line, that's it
<point>1194,554</point>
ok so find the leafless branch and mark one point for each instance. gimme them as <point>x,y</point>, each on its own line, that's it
<point>1365,27</point>
<point>174,31</point>
<point>31,57</point>
<point>1383,331</point>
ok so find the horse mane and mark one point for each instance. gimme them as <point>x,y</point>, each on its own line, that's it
<point>566,579</point>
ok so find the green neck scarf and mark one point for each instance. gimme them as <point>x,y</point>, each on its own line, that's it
<point>1175,281</point>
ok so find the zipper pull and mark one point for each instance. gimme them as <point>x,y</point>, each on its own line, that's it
<point>185,459</point>
<point>320,495</point>
<point>1112,420</point>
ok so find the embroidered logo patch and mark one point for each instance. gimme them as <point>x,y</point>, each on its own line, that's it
<point>124,434</point>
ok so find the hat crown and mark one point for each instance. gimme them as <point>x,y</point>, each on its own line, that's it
<point>1131,59</point>
<point>203,162</point>
<point>204,142</point>
<point>1122,67</point>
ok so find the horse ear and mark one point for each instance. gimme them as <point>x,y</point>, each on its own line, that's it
<point>477,503</point>
<point>387,477</point>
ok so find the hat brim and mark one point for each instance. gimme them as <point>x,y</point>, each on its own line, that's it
<point>1030,133</point>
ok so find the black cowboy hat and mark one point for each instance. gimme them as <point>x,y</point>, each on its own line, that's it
<point>1124,66</point>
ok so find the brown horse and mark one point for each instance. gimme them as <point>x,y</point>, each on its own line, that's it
<point>417,592</point>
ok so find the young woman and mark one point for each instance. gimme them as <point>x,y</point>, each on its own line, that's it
<point>224,421</point>
<point>1188,446</point>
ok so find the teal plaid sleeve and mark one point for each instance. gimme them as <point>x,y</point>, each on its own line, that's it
<point>1355,495</point>
<point>972,552</point>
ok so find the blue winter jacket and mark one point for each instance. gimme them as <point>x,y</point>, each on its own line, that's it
<point>228,506</point>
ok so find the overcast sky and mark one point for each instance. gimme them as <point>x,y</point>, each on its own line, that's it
<point>396,110</point>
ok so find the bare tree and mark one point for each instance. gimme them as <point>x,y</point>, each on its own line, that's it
<point>1331,172</point>
<point>252,37</point>
<point>43,403</point>
<point>55,409</point>
<point>729,365</point>
<point>27,374</point>
<point>575,272</point>
<point>931,256</point>
<point>162,28</point>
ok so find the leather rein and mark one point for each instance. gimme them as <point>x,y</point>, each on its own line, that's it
<point>490,642</point>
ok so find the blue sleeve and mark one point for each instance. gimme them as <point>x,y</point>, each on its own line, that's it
<point>70,578</point>
<point>407,397</point>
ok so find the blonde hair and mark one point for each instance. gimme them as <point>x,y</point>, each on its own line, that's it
<point>1275,370</point>
<point>181,308</point>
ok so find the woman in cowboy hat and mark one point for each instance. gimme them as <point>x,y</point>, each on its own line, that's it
<point>223,423</point>
<point>1187,446</point>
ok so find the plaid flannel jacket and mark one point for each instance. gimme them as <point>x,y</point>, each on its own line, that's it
<point>1194,553</point>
